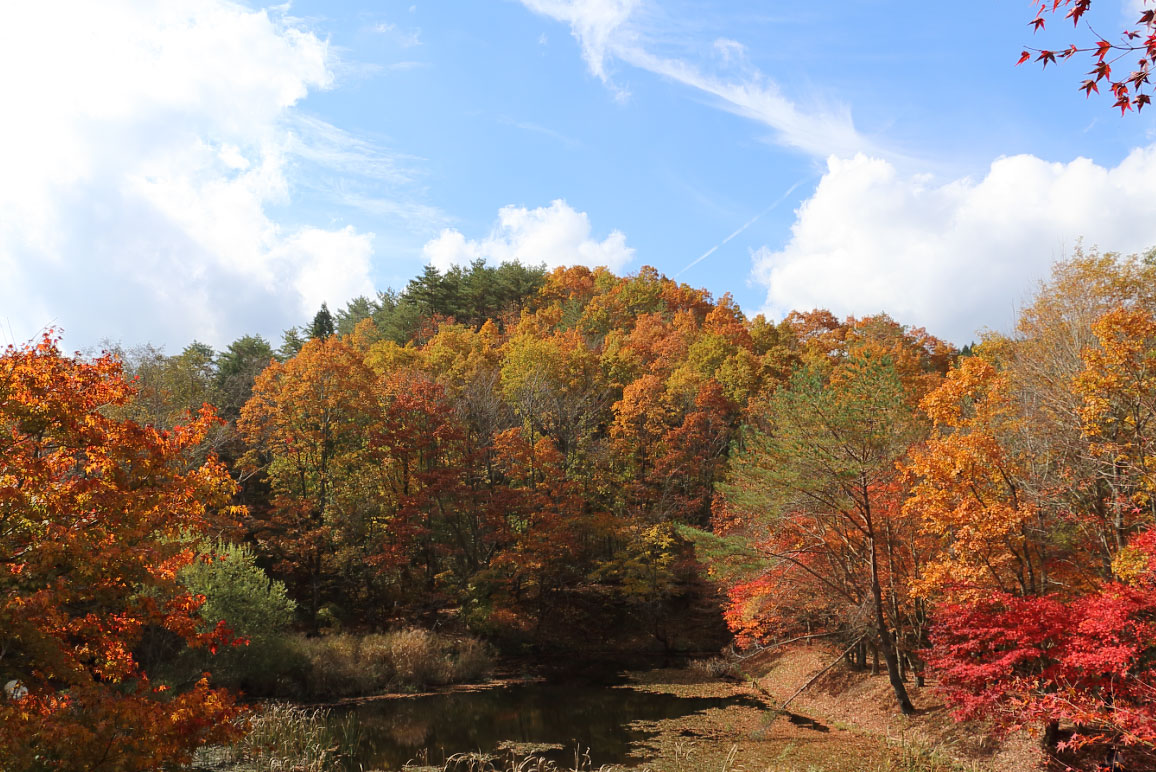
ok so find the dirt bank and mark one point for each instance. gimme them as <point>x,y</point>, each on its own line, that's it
<point>845,722</point>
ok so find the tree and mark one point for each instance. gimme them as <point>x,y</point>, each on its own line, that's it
<point>1036,486</point>
<point>1089,661</point>
<point>307,426</point>
<point>815,489</point>
<point>1118,386</point>
<point>94,514</point>
<point>168,388</point>
<point>1136,45</point>
<point>237,367</point>
<point>970,489</point>
<point>323,325</point>
<point>254,607</point>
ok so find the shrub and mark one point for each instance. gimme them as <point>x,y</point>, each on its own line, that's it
<point>256,608</point>
<point>419,657</point>
<point>343,665</point>
<point>473,661</point>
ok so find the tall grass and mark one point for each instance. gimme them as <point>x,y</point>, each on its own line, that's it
<point>716,667</point>
<point>284,738</point>
<point>915,755</point>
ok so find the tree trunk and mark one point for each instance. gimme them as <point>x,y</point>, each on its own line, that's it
<point>883,634</point>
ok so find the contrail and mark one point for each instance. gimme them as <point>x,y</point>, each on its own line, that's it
<point>745,225</point>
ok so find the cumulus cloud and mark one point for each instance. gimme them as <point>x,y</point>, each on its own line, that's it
<point>144,148</point>
<point>607,30</point>
<point>555,235</point>
<point>953,257</point>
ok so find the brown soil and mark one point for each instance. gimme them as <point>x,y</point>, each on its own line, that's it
<point>846,721</point>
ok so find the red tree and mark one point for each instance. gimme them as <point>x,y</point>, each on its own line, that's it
<point>1090,661</point>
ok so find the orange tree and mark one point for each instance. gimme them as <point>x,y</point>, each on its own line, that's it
<point>93,514</point>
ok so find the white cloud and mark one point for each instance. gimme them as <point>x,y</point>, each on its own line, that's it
<point>145,146</point>
<point>607,30</point>
<point>953,257</point>
<point>595,24</point>
<point>555,235</point>
<point>405,38</point>
<point>754,96</point>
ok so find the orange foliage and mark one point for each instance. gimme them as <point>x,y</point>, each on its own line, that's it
<point>93,513</point>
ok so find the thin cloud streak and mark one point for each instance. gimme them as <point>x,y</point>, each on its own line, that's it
<point>742,228</point>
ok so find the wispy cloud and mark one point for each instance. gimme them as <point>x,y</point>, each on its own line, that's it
<point>608,30</point>
<point>545,131</point>
<point>599,26</point>
<point>319,141</point>
<point>759,98</point>
<point>406,38</point>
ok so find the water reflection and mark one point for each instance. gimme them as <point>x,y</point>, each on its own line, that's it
<point>436,726</point>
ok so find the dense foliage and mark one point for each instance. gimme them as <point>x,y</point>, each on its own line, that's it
<point>524,467</point>
<point>94,514</point>
<point>576,460</point>
<point>990,520</point>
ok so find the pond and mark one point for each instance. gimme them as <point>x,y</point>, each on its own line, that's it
<point>597,717</point>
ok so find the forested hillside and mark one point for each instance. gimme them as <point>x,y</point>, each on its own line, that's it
<point>518,447</point>
<point>575,460</point>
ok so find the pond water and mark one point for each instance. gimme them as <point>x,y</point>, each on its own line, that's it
<point>432,727</point>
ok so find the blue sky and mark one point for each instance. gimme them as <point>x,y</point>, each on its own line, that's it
<point>204,169</point>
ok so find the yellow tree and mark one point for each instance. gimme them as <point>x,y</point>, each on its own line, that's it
<point>308,426</point>
<point>969,491</point>
<point>1118,387</point>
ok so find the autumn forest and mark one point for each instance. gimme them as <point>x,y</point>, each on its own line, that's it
<point>541,464</point>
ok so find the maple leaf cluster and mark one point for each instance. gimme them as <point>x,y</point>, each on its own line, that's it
<point>1136,47</point>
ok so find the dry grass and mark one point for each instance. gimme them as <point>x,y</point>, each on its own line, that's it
<point>513,762</point>
<point>342,665</point>
<point>716,667</point>
<point>286,738</point>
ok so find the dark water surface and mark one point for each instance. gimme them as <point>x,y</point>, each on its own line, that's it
<point>597,717</point>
